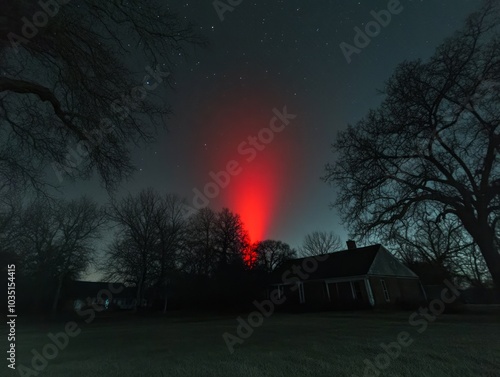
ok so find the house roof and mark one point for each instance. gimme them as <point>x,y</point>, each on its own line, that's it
<point>368,260</point>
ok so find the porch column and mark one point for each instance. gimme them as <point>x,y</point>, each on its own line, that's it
<point>327,291</point>
<point>302,297</point>
<point>352,290</point>
<point>369,292</point>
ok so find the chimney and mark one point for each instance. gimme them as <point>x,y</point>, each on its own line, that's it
<point>351,245</point>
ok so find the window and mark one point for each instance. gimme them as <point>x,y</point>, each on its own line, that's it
<point>386,292</point>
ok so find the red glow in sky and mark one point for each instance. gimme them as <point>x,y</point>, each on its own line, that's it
<point>254,196</point>
<point>256,191</point>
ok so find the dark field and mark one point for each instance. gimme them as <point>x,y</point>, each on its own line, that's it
<point>324,344</point>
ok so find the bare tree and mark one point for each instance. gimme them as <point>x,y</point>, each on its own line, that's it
<point>171,224</point>
<point>214,241</point>
<point>443,246</point>
<point>123,261</point>
<point>423,238</point>
<point>56,241</point>
<point>471,268</point>
<point>198,257</point>
<point>69,97</point>
<point>434,139</point>
<point>272,254</point>
<point>231,237</point>
<point>10,212</point>
<point>80,223</point>
<point>318,243</point>
<point>137,218</point>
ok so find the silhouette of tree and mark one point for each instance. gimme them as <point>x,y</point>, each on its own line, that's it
<point>10,212</point>
<point>147,248</point>
<point>231,238</point>
<point>434,139</point>
<point>171,224</point>
<point>56,242</point>
<point>317,243</point>
<point>198,258</point>
<point>69,96</point>
<point>123,261</point>
<point>214,240</point>
<point>421,238</point>
<point>445,245</point>
<point>271,254</point>
<point>133,253</point>
<point>471,268</point>
<point>212,257</point>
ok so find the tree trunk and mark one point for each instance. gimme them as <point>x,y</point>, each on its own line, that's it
<point>492,259</point>
<point>165,304</point>
<point>56,297</point>
<point>138,295</point>
<point>484,236</point>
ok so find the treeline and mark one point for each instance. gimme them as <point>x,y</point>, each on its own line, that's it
<point>203,259</point>
<point>168,254</point>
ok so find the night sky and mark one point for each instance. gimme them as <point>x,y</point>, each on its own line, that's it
<point>266,55</point>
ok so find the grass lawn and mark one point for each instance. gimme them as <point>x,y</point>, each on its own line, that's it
<point>320,344</point>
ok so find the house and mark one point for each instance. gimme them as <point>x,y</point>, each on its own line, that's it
<point>106,296</point>
<point>365,277</point>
